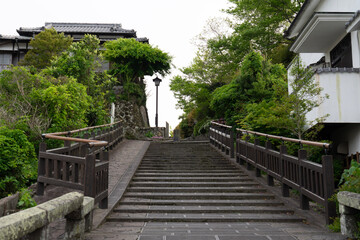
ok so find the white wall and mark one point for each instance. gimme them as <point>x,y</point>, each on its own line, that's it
<point>343,105</point>
<point>338,6</point>
<point>310,58</point>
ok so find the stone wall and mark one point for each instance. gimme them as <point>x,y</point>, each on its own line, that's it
<point>132,116</point>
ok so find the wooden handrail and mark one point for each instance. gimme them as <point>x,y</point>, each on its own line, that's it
<point>82,129</point>
<point>310,143</point>
<point>221,125</point>
<point>91,142</point>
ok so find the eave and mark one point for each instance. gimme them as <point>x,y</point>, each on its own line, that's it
<point>354,24</point>
<point>321,32</point>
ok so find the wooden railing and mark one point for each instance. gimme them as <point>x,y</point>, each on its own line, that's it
<point>82,163</point>
<point>313,181</point>
<point>222,137</point>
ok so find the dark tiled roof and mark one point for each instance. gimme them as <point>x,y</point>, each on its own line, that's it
<point>336,70</point>
<point>11,37</point>
<point>357,14</point>
<point>91,28</point>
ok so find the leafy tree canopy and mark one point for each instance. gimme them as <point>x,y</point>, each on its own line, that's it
<point>132,59</point>
<point>44,47</point>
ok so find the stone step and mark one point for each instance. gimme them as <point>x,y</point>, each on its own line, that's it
<point>202,209</point>
<point>196,189</point>
<point>186,196</point>
<point>204,202</point>
<point>190,184</point>
<point>189,175</point>
<point>191,179</point>
<point>158,217</point>
<point>190,171</point>
<point>186,168</point>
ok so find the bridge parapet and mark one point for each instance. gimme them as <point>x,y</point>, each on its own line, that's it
<point>313,181</point>
<point>34,222</point>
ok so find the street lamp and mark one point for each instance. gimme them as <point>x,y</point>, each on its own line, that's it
<point>157,82</point>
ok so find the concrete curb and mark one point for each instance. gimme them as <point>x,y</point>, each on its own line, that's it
<point>117,192</point>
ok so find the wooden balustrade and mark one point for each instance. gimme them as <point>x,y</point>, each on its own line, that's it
<point>222,136</point>
<point>313,181</point>
<point>82,163</point>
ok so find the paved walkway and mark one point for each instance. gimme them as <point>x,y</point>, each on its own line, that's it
<point>123,163</point>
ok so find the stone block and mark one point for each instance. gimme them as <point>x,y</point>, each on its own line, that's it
<point>86,207</point>
<point>59,207</point>
<point>349,205</point>
<point>8,204</point>
<point>19,224</point>
<point>349,199</point>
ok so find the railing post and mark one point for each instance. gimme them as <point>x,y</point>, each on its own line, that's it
<point>284,188</point>
<point>90,175</point>
<point>247,138</point>
<point>270,179</point>
<point>304,201</point>
<point>328,174</point>
<point>227,140</point>
<point>103,204</point>
<point>41,170</point>
<point>237,148</point>
<point>232,143</point>
<point>257,170</point>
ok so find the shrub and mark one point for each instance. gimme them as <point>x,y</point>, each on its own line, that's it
<point>18,163</point>
<point>26,201</point>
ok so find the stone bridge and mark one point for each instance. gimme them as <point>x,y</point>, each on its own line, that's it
<point>194,190</point>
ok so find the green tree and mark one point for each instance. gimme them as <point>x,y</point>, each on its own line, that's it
<point>290,110</point>
<point>261,25</point>
<point>17,109</point>
<point>80,61</point>
<point>65,103</point>
<point>258,81</point>
<point>132,60</point>
<point>44,47</point>
<point>18,163</point>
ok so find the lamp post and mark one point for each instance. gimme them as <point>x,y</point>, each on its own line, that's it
<point>157,82</point>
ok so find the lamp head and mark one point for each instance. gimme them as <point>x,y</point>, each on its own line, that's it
<point>157,81</point>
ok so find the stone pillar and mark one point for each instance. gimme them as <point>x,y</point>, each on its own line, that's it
<point>79,221</point>
<point>176,135</point>
<point>349,207</point>
<point>167,130</point>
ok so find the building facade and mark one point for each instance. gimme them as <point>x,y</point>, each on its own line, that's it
<point>326,36</point>
<point>14,48</point>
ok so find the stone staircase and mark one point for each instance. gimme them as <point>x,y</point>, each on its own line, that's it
<point>192,182</point>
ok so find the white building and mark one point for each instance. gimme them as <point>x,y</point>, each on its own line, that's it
<point>327,36</point>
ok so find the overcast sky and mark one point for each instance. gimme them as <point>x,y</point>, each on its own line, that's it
<point>170,25</point>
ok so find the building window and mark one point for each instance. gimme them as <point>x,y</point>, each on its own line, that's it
<point>341,55</point>
<point>5,59</point>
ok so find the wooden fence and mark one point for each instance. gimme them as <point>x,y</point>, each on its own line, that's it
<point>82,163</point>
<point>313,181</point>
